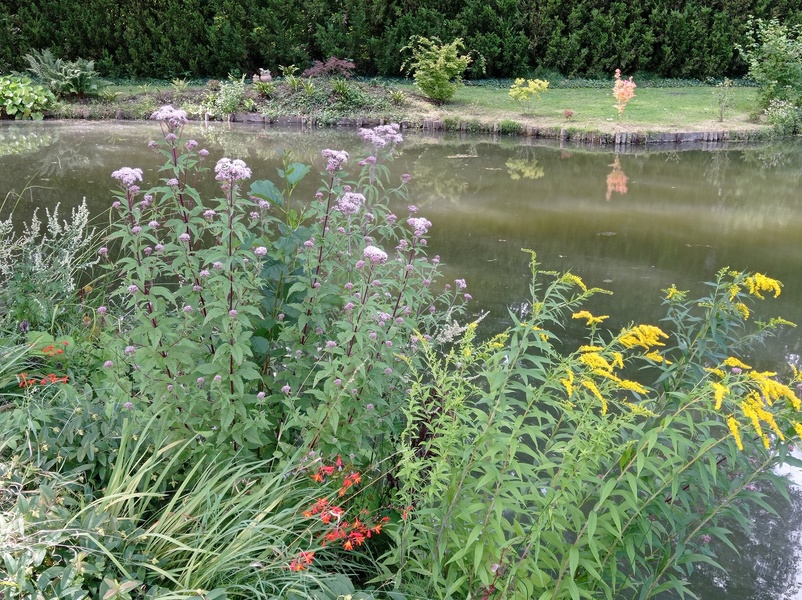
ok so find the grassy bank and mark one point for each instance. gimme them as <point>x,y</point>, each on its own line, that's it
<point>652,109</point>
<point>585,107</point>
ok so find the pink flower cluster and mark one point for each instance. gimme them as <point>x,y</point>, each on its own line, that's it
<point>336,158</point>
<point>382,135</point>
<point>419,225</point>
<point>174,117</point>
<point>375,255</point>
<point>231,170</point>
<point>127,176</point>
<point>350,203</point>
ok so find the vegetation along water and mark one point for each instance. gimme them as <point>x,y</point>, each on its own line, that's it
<point>310,365</point>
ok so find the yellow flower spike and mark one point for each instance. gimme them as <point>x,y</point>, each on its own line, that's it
<point>743,309</point>
<point>773,390</point>
<point>633,386</point>
<point>575,279</point>
<point>798,429</point>
<point>734,290</point>
<point>594,360</point>
<point>734,362</point>
<point>591,320</point>
<point>498,340</point>
<point>758,283</point>
<point>637,409</point>
<point>769,418</point>
<point>748,408</point>
<point>718,372</point>
<point>643,335</point>
<point>655,356</point>
<point>673,294</point>
<point>618,360</point>
<point>606,374</point>
<point>541,333</point>
<point>591,349</point>
<point>752,407</point>
<point>568,383</point>
<point>777,321</point>
<point>733,425</point>
<point>719,391</point>
<point>589,384</point>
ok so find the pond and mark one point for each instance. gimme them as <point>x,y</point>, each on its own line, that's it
<point>633,222</point>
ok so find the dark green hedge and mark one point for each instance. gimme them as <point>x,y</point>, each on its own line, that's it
<point>210,38</point>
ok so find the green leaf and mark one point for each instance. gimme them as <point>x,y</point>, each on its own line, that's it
<point>573,589</point>
<point>573,560</point>
<point>592,520</point>
<point>295,172</point>
<point>606,490</point>
<point>478,554</point>
<point>260,345</point>
<point>267,190</point>
<point>237,353</point>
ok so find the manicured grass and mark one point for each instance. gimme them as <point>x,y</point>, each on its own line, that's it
<point>652,109</point>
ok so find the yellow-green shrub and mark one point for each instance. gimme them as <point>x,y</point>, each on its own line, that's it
<point>526,92</point>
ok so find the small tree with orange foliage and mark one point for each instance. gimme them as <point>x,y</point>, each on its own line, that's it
<point>624,91</point>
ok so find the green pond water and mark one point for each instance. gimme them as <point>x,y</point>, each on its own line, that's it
<point>633,222</point>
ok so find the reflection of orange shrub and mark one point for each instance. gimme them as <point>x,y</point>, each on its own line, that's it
<point>616,180</point>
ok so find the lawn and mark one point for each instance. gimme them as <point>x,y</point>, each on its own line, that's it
<point>653,109</point>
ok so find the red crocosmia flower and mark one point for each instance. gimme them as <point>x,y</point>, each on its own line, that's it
<point>357,537</point>
<point>332,536</point>
<point>296,565</point>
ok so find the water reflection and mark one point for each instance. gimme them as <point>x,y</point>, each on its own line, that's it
<point>677,217</point>
<point>24,142</point>
<point>616,180</point>
<point>524,165</point>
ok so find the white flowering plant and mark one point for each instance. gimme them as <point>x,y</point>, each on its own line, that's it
<point>40,268</point>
